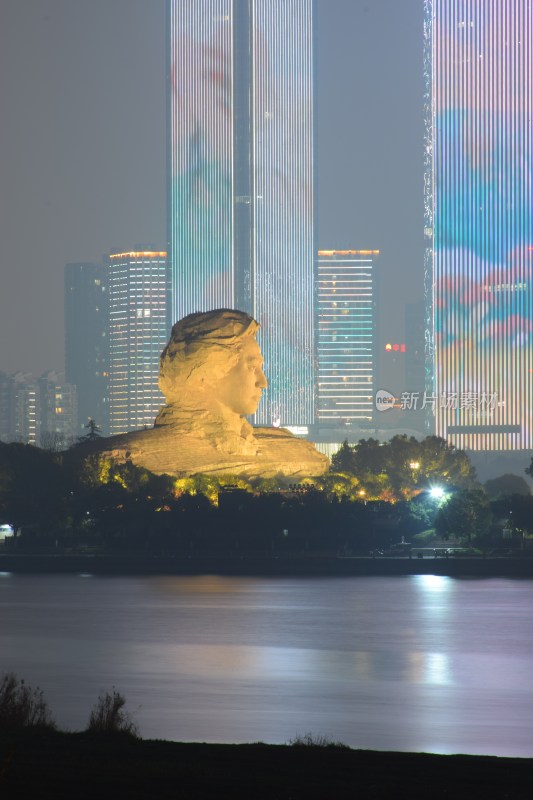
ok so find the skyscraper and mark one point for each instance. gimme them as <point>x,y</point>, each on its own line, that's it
<point>21,409</point>
<point>479,221</point>
<point>41,412</point>
<point>346,337</point>
<point>86,353</point>
<point>58,411</point>
<point>241,213</point>
<point>138,295</point>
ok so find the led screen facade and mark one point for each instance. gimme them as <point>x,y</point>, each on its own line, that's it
<point>241,214</point>
<point>479,221</point>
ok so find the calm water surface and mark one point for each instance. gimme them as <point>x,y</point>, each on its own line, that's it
<point>417,663</point>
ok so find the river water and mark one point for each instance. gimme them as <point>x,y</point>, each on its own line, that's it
<point>418,663</point>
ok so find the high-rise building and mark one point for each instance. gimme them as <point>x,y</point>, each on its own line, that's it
<point>58,411</point>
<point>5,410</point>
<point>241,211</point>
<point>138,295</point>
<point>479,221</point>
<point>21,413</point>
<point>86,352</point>
<point>41,412</point>
<point>346,337</point>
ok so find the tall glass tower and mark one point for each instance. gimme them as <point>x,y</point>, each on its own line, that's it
<point>241,177</point>
<point>479,221</point>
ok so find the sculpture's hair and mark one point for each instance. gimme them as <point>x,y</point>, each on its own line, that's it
<point>203,347</point>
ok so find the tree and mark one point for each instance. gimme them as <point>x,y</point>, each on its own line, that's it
<point>505,485</point>
<point>403,467</point>
<point>466,515</point>
<point>344,459</point>
<point>54,442</point>
<point>338,485</point>
<point>441,461</point>
<point>34,489</point>
<point>517,509</point>
<point>21,706</point>
<point>370,457</point>
<point>109,715</point>
<point>93,432</point>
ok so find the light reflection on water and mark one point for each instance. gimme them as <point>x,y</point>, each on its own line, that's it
<point>408,663</point>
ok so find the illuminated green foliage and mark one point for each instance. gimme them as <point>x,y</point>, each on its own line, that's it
<point>403,467</point>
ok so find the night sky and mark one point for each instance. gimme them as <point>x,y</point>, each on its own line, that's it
<point>82,167</point>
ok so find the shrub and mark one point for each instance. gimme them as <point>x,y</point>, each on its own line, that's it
<point>314,740</point>
<point>109,716</point>
<point>21,706</point>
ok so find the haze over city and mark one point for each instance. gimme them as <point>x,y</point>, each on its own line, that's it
<point>83,149</point>
<point>299,515</point>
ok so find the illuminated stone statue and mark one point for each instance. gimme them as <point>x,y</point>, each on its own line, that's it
<point>211,374</point>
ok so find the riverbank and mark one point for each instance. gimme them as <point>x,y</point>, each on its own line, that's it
<point>63,765</point>
<point>490,566</point>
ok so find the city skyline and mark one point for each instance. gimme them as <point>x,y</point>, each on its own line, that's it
<point>83,168</point>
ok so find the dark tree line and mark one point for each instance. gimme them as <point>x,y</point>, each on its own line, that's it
<point>373,496</point>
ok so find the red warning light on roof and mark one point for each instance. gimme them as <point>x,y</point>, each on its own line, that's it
<point>395,347</point>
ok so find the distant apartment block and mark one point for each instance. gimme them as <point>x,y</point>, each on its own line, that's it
<point>58,411</point>
<point>41,412</point>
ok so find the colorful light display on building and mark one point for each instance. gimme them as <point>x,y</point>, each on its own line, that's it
<point>241,213</point>
<point>479,220</point>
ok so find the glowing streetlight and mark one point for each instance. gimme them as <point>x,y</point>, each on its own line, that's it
<point>436,492</point>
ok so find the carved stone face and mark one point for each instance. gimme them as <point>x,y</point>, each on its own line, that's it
<point>240,389</point>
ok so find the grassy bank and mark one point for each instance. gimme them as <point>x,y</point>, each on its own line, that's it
<point>61,765</point>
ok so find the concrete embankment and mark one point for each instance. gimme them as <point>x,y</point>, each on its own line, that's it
<point>266,565</point>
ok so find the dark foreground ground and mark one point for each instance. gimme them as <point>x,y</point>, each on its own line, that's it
<point>56,765</point>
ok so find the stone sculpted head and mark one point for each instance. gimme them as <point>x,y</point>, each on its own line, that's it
<point>213,358</point>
